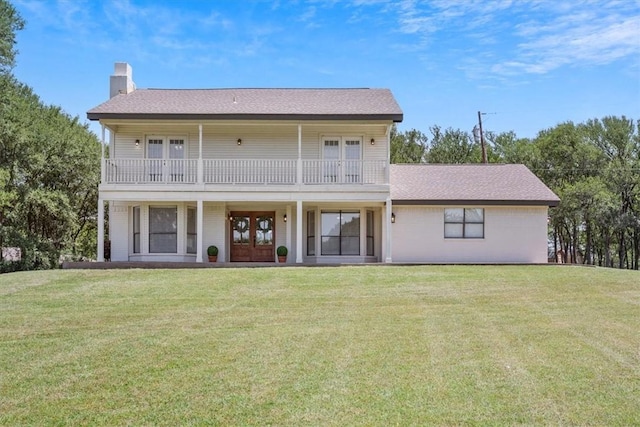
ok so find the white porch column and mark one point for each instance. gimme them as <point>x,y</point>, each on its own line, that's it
<point>100,230</point>
<point>288,227</point>
<point>386,173</point>
<point>299,166</point>
<point>387,237</point>
<point>299,232</point>
<point>102,163</point>
<point>200,161</point>
<point>199,229</point>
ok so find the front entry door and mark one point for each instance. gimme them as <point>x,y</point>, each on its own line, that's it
<point>252,237</point>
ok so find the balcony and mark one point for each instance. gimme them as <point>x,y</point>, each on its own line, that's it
<point>243,171</point>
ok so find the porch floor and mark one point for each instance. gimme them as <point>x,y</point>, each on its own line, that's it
<point>115,265</point>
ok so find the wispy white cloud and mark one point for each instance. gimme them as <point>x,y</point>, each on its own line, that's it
<point>524,36</point>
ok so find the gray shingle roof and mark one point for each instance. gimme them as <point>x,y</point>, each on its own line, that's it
<point>256,104</point>
<point>471,184</point>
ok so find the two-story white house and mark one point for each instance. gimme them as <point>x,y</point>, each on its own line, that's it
<point>248,170</point>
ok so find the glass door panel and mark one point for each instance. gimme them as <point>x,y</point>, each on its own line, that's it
<point>176,157</point>
<point>352,160</point>
<point>155,153</point>
<point>331,156</point>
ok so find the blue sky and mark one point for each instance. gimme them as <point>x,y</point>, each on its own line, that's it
<point>534,63</point>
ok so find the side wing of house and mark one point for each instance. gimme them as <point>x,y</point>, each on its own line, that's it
<point>469,214</point>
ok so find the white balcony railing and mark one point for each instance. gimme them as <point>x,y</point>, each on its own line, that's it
<point>343,171</point>
<point>152,171</point>
<point>235,171</point>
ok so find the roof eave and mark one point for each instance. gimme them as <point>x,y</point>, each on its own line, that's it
<point>449,202</point>
<point>397,117</point>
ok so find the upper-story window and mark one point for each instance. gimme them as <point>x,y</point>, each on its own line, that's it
<point>342,157</point>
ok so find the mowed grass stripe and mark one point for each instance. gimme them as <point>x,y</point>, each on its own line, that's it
<point>374,345</point>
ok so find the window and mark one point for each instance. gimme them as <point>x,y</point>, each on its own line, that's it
<point>340,233</point>
<point>370,251</point>
<point>136,229</point>
<point>311,233</point>
<point>192,236</point>
<point>163,229</point>
<point>464,223</point>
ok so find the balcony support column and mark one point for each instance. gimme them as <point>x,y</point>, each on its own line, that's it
<point>199,229</point>
<point>299,232</point>
<point>100,230</point>
<point>200,162</point>
<point>102,162</point>
<point>386,172</point>
<point>299,164</point>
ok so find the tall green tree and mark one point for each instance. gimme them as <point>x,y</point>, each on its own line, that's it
<point>10,23</point>
<point>408,147</point>
<point>452,146</point>
<point>49,169</point>
<point>618,140</point>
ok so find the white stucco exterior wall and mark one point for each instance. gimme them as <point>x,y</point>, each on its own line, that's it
<point>511,234</point>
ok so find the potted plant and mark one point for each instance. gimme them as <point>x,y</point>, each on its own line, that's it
<point>212,253</point>
<point>282,254</point>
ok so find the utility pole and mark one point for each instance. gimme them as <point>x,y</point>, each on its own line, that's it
<point>484,150</point>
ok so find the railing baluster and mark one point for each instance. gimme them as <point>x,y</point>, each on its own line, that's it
<point>239,171</point>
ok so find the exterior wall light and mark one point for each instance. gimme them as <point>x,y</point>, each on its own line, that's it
<point>393,218</point>
<point>373,141</point>
<point>137,143</point>
<point>285,218</point>
<point>230,217</point>
<point>239,141</point>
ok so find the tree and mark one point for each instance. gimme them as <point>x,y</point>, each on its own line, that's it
<point>408,147</point>
<point>49,169</point>
<point>453,146</point>
<point>10,23</point>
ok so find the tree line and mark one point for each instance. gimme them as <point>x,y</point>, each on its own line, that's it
<point>49,170</point>
<point>594,168</point>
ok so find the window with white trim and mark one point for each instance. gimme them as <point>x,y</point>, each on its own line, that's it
<point>192,235</point>
<point>163,229</point>
<point>136,229</point>
<point>340,233</point>
<point>311,233</point>
<point>370,248</point>
<point>464,223</point>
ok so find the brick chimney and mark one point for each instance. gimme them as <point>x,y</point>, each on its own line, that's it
<point>121,81</point>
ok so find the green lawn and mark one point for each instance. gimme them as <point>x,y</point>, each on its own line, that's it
<point>383,345</point>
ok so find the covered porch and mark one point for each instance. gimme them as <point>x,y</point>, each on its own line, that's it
<point>180,229</point>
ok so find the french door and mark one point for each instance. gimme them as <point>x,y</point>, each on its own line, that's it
<point>342,159</point>
<point>252,237</point>
<point>165,159</point>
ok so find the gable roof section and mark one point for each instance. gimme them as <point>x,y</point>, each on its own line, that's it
<point>251,104</point>
<point>478,184</point>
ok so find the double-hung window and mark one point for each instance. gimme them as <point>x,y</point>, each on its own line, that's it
<point>311,233</point>
<point>464,223</point>
<point>136,229</point>
<point>192,235</point>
